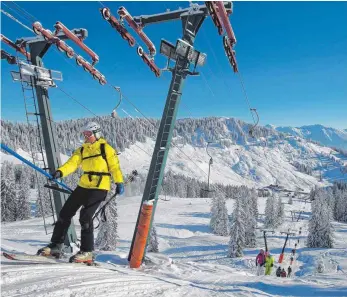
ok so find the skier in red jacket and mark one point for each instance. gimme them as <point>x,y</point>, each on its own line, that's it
<point>259,262</point>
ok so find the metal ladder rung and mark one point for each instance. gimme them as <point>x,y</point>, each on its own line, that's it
<point>34,113</point>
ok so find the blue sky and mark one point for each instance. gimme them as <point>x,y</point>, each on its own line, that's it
<point>292,56</point>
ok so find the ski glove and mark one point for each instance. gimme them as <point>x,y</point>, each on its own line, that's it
<point>57,174</point>
<point>120,188</point>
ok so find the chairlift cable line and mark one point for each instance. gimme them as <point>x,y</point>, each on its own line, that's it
<point>16,20</point>
<point>15,11</point>
<point>29,16</point>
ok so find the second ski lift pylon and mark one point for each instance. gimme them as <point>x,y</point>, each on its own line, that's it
<point>119,26</point>
<point>288,233</point>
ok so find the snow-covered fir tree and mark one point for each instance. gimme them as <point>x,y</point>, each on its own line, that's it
<point>23,204</point>
<point>320,225</point>
<point>22,181</point>
<point>270,213</point>
<point>237,232</point>
<point>153,245</point>
<point>107,236</point>
<point>340,208</point>
<point>44,203</point>
<point>15,192</point>
<point>248,217</point>
<point>219,215</point>
<point>8,201</point>
<point>254,200</point>
<point>279,212</point>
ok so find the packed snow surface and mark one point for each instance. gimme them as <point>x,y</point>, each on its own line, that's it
<point>191,262</point>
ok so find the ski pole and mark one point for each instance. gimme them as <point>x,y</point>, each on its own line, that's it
<point>13,153</point>
<point>134,173</point>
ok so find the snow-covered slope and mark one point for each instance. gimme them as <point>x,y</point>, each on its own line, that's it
<point>192,261</point>
<point>326,136</point>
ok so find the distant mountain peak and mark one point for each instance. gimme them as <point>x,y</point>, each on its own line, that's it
<point>327,136</point>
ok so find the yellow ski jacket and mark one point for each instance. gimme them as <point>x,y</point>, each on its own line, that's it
<point>269,261</point>
<point>96,170</point>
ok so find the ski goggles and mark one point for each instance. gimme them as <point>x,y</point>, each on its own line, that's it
<point>87,133</point>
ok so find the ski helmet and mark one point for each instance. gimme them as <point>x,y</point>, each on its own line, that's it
<point>94,128</point>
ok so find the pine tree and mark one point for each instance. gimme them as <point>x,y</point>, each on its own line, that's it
<point>320,225</point>
<point>254,198</point>
<point>237,232</point>
<point>153,245</point>
<point>248,217</point>
<point>219,216</point>
<point>7,202</point>
<point>107,236</point>
<point>8,193</point>
<point>22,179</point>
<point>43,203</point>
<point>279,212</point>
<point>270,213</point>
<point>340,209</point>
<point>23,204</point>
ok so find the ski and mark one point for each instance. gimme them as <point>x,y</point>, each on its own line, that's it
<point>32,258</point>
<point>37,259</point>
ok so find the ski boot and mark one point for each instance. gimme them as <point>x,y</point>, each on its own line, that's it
<point>83,257</point>
<point>53,249</point>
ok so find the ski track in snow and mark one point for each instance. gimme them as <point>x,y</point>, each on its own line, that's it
<point>192,261</point>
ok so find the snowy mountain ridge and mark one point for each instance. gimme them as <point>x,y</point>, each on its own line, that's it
<point>325,135</point>
<point>271,157</point>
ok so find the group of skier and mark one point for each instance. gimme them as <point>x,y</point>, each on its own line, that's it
<point>282,273</point>
<point>265,261</point>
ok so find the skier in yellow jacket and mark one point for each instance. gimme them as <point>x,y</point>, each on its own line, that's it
<point>269,263</point>
<point>99,163</point>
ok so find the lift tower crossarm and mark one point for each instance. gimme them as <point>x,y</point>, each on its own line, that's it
<point>45,45</point>
<point>145,20</point>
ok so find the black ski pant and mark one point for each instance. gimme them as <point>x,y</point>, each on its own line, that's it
<point>90,200</point>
